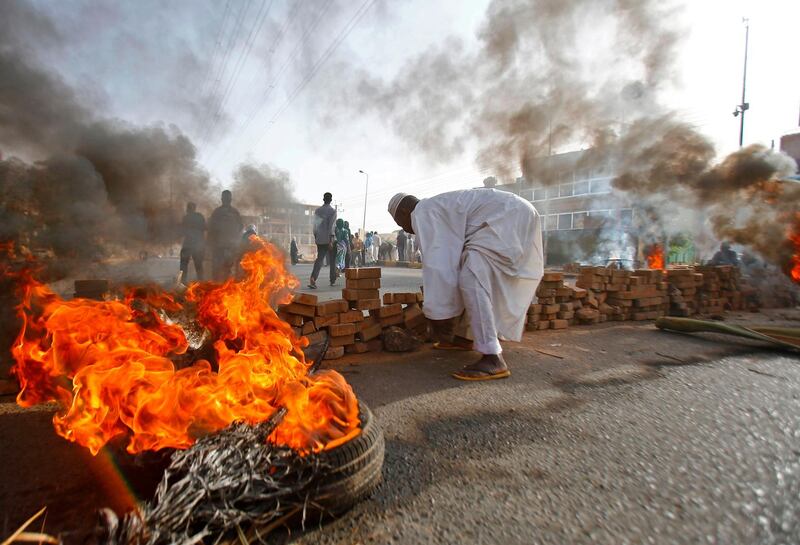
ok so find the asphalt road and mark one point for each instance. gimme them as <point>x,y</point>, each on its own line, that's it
<point>635,436</point>
<point>164,271</point>
<point>610,434</point>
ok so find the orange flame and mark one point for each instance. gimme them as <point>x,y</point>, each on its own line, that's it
<point>655,257</point>
<point>110,365</point>
<point>794,262</point>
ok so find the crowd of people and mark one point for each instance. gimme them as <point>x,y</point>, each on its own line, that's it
<point>339,248</point>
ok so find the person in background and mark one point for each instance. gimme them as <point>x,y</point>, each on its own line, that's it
<point>293,254</point>
<point>483,261</point>
<point>341,244</point>
<point>224,232</point>
<point>325,239</point>
<point>194,243</point>
<point>376,246</point>
<point>367,248</point>
<point>358,251</point>
<point>725,256</point>
<point>401,245</point>
<point>349,247</point>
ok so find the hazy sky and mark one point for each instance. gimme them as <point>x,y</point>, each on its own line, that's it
<point>253,80</point>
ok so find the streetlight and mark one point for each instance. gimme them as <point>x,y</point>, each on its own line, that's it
<point>366,190</point>
<point>744,106</point>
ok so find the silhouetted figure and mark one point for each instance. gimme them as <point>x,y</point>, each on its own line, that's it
<point>324,237</point>
<point>224,235</point>
<point>293,254</point>
<point>401,245</point>
<point>725,256</point>
<point>193,227</point>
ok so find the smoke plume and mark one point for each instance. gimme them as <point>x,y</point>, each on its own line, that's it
<point>80,183</point>
<point>259,187</point>
<point>549,75</point>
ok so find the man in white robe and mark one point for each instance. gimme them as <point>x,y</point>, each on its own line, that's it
<point>483,254</point>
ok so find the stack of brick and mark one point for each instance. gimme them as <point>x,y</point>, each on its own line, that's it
<point>641,295</point>
<point>362,288</point>
<point>350,331</point>
<point>709,299</point>
<point>300,314</point>
<point>683,290</point>
<point>595,280</point>
<point>721,290</point>
<point>556,304</point>
<point>404,309</point>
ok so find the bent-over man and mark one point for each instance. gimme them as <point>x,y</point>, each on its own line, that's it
<point>483,254</point>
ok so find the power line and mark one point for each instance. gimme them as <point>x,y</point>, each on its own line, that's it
<point>273,83</point>
<point>351,24</point>
<point>235,31</point>
<point>217,48</point>
<point>261,16</point>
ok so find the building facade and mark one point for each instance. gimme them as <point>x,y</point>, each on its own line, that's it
<point>583,219</point>
<point>280,224</point>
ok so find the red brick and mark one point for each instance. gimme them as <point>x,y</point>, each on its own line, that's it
<point>342,340</point>
<point>364,284</point>
<point>366,304</point>
<point>388,310</point>
<point>305,299</point>
<point>337,330</point>
<point>299,309</point>
<point>355,295</point>
<point>332,307</point>
<point>325,321</point>
<point>363,272</point>
<point>351,316</point>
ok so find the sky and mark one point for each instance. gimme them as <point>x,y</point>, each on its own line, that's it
<point>268,81</point>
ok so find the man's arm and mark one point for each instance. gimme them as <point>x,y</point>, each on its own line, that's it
<point>333,227</point>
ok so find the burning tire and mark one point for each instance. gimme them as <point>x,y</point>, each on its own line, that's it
<point>355,468</point>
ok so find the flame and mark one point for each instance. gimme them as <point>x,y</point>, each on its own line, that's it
<point>794,261</point>
<point>110,364</point>
<point>655,257</point>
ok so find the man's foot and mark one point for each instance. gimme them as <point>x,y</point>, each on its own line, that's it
<point>489,367</point>
<point>458,343</point>
<point>312,285</point>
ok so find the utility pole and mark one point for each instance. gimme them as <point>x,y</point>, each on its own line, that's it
<point>744,106</point>
<point>366,191</point>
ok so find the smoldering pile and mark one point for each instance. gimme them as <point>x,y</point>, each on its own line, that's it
<point>230,483</point>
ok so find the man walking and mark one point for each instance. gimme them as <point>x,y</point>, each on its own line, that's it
<point>194,244</point>
<point>325,239</point>
<point>224,237</point>
<point>483,254</point>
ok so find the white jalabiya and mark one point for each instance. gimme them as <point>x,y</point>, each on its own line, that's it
<point>482,251</point>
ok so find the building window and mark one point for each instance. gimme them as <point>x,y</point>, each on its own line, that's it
<point>552,222</point>
<point>601,186</point>
<point>552,192</point>
<point>626,218</point>
<point>582,174</point>
<point>565,190</point>
<point>564,222</point>
<point>539,194</point>
<point>526,194</point>
<point>579,220</point>
<point>581,188</point>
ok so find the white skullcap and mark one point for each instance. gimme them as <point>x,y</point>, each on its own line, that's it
<point>395,202</point>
